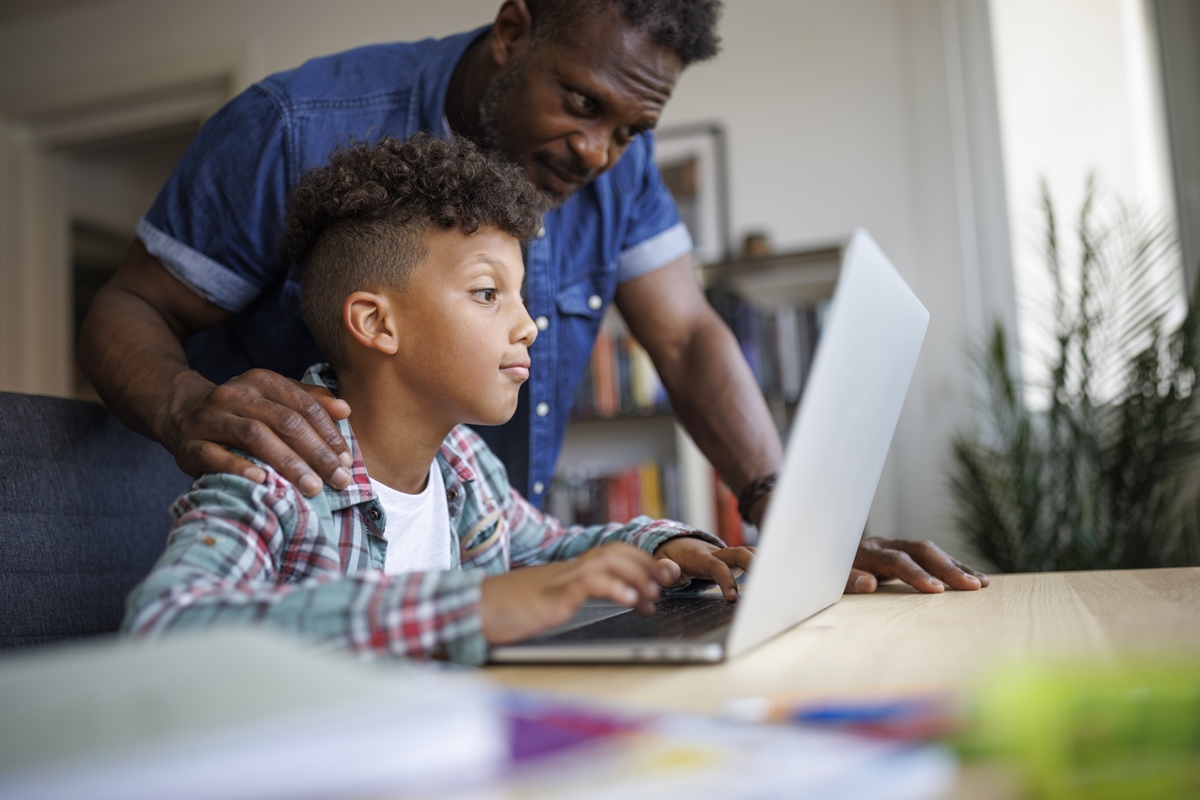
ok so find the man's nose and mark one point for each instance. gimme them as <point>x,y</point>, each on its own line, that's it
<point>591,148</point>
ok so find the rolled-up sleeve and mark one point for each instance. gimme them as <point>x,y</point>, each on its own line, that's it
<point>656,236</point>
<point>215,224</point>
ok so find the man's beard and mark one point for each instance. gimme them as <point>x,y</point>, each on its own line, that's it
<point>494,98</point>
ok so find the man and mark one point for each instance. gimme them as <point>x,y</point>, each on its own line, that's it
<point>567,89</point>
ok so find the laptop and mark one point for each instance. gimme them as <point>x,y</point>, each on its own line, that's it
<point>835,452</point>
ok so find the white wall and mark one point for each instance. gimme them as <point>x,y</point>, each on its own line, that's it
<point>839,114</point>
<point>1079,93</point>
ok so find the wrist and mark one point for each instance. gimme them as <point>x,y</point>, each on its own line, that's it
<point>753,496</point>
<point>184,390</point>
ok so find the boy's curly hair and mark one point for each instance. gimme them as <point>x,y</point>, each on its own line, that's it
<point>358,222</point>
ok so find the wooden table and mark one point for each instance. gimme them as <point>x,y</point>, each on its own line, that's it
<point>899,642</point>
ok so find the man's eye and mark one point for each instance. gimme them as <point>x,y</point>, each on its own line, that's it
<point>486,295</point>
<point>626,134</point>
<point>581,102</point>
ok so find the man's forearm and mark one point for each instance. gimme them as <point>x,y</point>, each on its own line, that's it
<point>717,399</point>
<point>136,362</point>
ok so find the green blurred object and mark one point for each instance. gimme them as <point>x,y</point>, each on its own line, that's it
<point>1097,731</point>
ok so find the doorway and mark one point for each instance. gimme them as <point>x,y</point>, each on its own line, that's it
<point>109,186</point>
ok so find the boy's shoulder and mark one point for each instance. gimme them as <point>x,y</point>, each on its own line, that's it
<point>232,492</point>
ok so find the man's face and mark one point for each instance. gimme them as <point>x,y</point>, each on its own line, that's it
<point>566,111</point>
<point>465,333</point>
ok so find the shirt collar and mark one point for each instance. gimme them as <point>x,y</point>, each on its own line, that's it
<point>434,77</point>
<point>359,489</point>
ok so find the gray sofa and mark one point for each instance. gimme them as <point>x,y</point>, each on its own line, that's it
<point>83,504</point>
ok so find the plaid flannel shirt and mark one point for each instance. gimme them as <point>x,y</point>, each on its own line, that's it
<point>242,552</point>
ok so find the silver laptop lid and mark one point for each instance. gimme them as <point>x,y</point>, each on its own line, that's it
<point>836,448</point>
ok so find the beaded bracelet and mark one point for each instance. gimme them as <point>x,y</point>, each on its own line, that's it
<point>753,492</point>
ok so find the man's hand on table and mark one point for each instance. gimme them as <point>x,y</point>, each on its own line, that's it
<point>922,565</point>
<point>282,422</point>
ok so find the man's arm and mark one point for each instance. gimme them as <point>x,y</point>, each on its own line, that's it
<point>131,349</point>
<point>716,397</point>
<point>711,387</point>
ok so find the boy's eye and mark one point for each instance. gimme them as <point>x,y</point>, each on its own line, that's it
<point>486,295</point>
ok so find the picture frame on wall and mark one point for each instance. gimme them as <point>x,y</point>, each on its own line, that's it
<point>692,161</point>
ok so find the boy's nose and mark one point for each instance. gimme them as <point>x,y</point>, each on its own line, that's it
<point>526,329</point>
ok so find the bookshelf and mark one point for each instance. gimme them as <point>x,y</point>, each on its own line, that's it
<point>622,427</point>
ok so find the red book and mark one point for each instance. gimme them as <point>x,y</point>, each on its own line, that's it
<point>603,371</point>
<point>729,521</point>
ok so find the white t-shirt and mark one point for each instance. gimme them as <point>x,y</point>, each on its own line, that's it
<point>418,526</point>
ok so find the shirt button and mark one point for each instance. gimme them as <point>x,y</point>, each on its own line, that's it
<point>542,323</point>
<point>541,232</point>
<point>538,487</point>
<point>451,495</point>
<point>594,302</point>
<point>374,513</point>
<point>543,409</point>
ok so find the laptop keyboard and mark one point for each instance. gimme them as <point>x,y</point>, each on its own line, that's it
<point>674,618</point>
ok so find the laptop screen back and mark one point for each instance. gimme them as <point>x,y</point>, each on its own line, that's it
<point>836,447</point>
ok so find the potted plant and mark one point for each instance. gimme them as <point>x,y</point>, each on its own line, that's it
<point>1099,469</point>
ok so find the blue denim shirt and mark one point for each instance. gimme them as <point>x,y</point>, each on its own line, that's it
<point>217,222</point>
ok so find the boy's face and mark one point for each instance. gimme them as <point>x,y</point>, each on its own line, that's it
<point>464,333</point>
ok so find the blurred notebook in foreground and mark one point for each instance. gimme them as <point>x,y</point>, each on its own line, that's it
<point>237,714</point>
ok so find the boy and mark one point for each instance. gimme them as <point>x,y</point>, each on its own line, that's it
<point>412,280</point>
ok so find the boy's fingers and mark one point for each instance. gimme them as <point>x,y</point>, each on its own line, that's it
<point>740,557</point>
<point>720,572</point>
<point>612,587</point>
<point>629,565</point>
<point>668,572</point>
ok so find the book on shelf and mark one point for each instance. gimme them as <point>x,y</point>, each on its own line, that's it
<point>583,498</point>
<point>620,379</point>
<point>647,488</point>
<point>778,343</point>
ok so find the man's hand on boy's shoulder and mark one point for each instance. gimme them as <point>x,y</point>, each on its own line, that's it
<point>688,557</point>
<point>922,565</point>
<point>525,602</point>
<point>280,421</point>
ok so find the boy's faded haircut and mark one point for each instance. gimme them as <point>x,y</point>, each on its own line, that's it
<point>359,222</point>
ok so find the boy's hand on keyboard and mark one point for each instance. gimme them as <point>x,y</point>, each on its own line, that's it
<point>522,603</point>
<point>688,558</point>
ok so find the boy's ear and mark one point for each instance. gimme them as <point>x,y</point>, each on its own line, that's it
<point>510,31</point>
<point>370,319</point>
